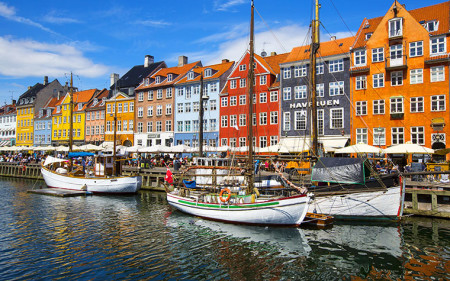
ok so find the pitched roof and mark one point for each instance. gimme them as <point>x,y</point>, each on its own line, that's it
<point>179,71</point>
<point>135,75</point>
<point>218,70</point>
<point>32,91</point>
<point>439,12</point>
<point>99,96</point>
<point>329,48</point>
<point>7,109</point>
<point>274,61</point>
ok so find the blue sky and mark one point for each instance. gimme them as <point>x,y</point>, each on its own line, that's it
<point>96,38</point>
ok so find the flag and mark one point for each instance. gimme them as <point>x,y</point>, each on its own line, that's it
<point>168,178</point>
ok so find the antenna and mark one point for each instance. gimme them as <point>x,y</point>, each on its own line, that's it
<point>264,53</point>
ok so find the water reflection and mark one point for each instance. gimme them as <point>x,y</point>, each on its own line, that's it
<point>140,237</point>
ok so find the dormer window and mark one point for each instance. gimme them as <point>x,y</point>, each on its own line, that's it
<point>190,75</point>
<point>27,100</point>
<point>58,109</point>
<point>208,72</point>
<point>103,101</point>
<point>395,27</point>
<point>431,26</point>
<point>158,79</point>
<point>80,106</point>
<point>147,81</point>
<point>169,77</point>
<point>95,102</point>
<point>368,35</point>
<point>41,113</point>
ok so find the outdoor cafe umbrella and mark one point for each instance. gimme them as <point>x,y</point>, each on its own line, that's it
<point>360,148</point>
<point>408,148</point>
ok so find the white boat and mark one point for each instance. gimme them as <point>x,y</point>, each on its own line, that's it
<point>57,172</point>
<point>59,178</point>
<point>243,203</point>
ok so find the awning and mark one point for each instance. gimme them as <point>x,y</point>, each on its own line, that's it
<point>295,144</point>
<point>332,143</point>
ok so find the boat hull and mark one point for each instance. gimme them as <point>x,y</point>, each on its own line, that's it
<point>365,205</point>
<point>113,185</point>
<point>288,211</point>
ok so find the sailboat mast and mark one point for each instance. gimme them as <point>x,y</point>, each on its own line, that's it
<point>71,113</point>
<point>115,136</point>
<point>250,104</point>
<point>314,48</point>
<point>200,134</point>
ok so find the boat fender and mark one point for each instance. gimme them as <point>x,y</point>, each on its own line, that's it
<point>228,197</point>
<point>256,191</point>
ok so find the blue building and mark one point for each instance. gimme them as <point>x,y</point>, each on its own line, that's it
<point>187,104</point>
<point>43,122</point>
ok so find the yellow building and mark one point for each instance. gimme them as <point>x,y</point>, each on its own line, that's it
<point>125,119</point>
<point>25,125</point>
<point>61,118</point>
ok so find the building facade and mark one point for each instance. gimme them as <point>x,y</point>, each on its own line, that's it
<point>43,122</point>
<point>8,123</point>
<point>155,104</point>
<point>61,118</point>
<point>332,95</point>
<point>400,78</point>
<point>187,104</point>
<point>95,118</point>
<point>234,103</point>
<point>120,107</point>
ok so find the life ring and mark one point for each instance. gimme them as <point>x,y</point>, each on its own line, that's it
<point>228,197</point>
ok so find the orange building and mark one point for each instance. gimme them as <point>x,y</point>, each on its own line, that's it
<point>400,77</point>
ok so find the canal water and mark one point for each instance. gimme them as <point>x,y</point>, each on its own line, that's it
<point>141,238</point>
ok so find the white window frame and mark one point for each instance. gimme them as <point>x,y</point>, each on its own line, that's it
<point>416,76</point>
<point>378,80</point>
<point>437,73</point>
<point>438,103</point>
<point>377,54</point>
<point>416,104</point>
<point>333,118</point>
<point>416,49</point>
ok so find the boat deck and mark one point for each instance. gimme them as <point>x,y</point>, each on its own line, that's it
<point>59,192</point>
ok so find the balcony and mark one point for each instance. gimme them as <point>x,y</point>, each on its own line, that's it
<point>396,63</point>
<point>438,59</point>
<point>397,115</point>
<point>359,69</point>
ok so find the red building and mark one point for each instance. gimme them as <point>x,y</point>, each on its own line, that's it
<point>234,103</point>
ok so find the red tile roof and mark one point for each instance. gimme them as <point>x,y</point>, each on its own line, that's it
<point>179,72</point>
<point>218,70</point>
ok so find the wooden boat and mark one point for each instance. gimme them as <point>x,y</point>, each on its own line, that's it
<point>58,173</point>
<point>242,204</point>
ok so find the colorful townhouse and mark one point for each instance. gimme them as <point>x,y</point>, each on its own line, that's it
<point>61,118</point>
<point>123,91</point>
<point>95,118</point>
<point>332,95</point>
<point>187,104</point>
<point>400,77</point>
<point>120,108</point>
<point>30,102</point>
<point>8,123</point>
<point>234,103</point>
<point>155,104</point>
<point>43,122</point>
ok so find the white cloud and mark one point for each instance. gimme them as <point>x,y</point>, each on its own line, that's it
<point>25,58</point>
<point>154,23</point>
<point>59,18</point>
<point>224,6</point>
<point>10,14</point>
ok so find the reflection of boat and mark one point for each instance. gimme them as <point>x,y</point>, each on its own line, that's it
<point>58,173</point>
<point>285,241</point>
<point>239,200</point>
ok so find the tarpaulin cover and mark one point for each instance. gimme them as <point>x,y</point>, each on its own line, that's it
<point>339,170</point>
<point>189,184</point>
<point>80,154</point>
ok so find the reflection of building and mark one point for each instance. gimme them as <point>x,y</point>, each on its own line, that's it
<point>187,104</point>
<point>30,103</point>
<point>95,118</point>
<point>8,124</point>
<point>400,77</point>
<point>61,118</point>
<point>155,103</point>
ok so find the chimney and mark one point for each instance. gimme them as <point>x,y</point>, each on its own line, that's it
<point>148,60</point>
<point>225,60</point>
<point>114,78</point>
<point>182,60</point>
<point>29,87</point>
<point>45,80</point>
<point>273,53</point>
<point>14,102</point>
<point>332,38</point>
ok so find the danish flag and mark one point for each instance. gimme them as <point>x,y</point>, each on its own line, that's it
<point>168,178</point>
